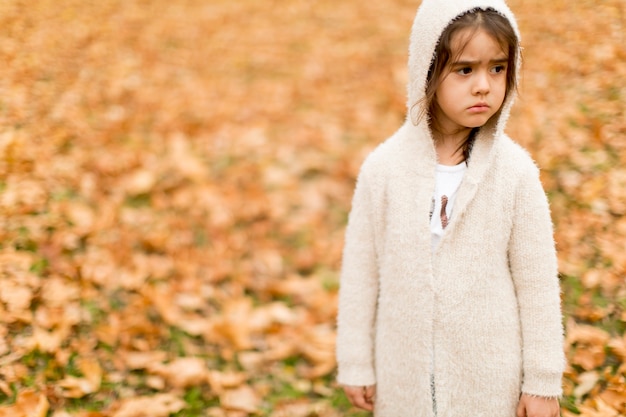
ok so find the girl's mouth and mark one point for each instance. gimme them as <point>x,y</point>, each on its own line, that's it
<point>479,108</point>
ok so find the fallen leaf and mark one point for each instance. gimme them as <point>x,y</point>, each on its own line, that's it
<point>242,398</point>
<point>160,405</point>
<point>586,381</point>
<point>221,381</point>
<point>29,403</point>
<point>182,372</point>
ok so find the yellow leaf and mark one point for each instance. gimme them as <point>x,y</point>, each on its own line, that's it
<point>74,387</point>
<point>586,381</point>
<point>160,405</point>
<point>220,381</point>
<point>139,182</point>
<point>29,403</point>
<point>582,333</point>
<point>240,399</point>
<point>92,371</point>
<point>618,347</point>
<point>182,372</point>
<point>142,360</point>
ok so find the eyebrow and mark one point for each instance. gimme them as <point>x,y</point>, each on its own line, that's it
<point>502,60</point>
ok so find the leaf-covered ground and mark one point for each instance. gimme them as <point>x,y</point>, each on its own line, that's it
<point>175,178</point>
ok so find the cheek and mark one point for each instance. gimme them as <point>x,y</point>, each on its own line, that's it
<point>446,93</point>
<point>501,89</point>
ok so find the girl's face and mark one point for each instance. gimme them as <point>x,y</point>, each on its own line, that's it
<point>474,88</point>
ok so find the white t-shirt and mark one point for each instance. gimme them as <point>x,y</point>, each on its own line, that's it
<point>447,181</point>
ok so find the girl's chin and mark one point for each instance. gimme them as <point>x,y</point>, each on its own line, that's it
<point>478,121</point>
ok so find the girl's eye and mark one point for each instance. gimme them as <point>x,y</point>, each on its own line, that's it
<point>498,69</point>
<point>464,70</point>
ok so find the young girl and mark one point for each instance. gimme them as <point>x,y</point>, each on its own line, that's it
<point>449,301</point>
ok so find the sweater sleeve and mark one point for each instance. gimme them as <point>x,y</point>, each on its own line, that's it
<point>358,293</point>
<point>534,268</point>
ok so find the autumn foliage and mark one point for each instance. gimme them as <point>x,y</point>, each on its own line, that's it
<point>175,177</point>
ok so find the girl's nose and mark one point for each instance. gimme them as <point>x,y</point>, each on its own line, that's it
<point>481,83</point>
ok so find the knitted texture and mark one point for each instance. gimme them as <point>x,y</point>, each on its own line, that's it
<point>481,313</point>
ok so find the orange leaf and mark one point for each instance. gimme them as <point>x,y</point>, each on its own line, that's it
<point>240,399</point>
<point>182,372</point>
<point>160,405</point>
<point>28,404</point>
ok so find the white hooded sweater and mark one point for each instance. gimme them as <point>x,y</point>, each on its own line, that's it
<point>482,313</point>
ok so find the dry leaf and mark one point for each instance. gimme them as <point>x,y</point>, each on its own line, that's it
<point>586,382</point>
<point>243,398</point>
<point>221,381</point>
<point>160,405</point>
<point>182,372</point>
<point>74,387</point>
<point>580,333</point>
<point>143,360</point>
<point>156,209</point>
<point>29,403</point>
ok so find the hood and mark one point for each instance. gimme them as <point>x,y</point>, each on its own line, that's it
<point>433,16</point>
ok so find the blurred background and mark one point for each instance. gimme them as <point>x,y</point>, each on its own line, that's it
<point>175,178</point>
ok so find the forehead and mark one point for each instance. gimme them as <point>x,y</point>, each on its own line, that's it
<point>477,42</point>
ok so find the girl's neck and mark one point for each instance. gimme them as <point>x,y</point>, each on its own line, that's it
<point>449,146</point>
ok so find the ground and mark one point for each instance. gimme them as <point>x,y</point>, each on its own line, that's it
<point>175,178</point>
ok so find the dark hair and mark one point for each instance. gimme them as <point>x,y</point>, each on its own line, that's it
<point>495,25</point>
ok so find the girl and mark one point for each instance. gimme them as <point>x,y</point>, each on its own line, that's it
<point>449,300</point>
